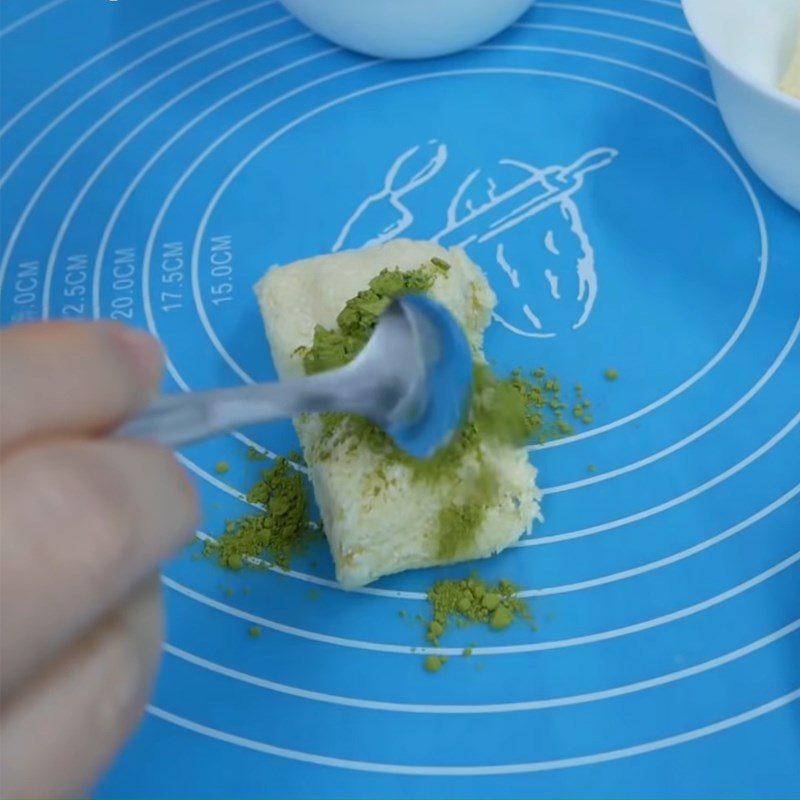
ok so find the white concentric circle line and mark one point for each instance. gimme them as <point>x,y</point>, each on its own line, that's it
<point>150,244</point>
<point>605,12</point>
<point>36,195</point>
<point>666,3</point>
<point>547,591</point>
<point>491,769</point>
<point>553,644</point>
<point>221,485</point>
<point>706,98</point>
<point>139,127</point>
<point>122,71</point>
<point>544,26</point>
<point>214,481</point>
<point>67,77</point>
<point>484,708</point>
<point>700,432</point>
<point>673,502</point>
<point>392,594</point>
<point>115,214</point>
<point>29,17</point>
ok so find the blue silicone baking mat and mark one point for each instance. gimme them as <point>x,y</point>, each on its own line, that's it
<point>157,157</point>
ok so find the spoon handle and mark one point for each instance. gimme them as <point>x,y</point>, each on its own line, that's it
<point>180,419</point>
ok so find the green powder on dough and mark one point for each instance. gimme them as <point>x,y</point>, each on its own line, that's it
<point>280,532</point>
<point>355,323</point>
<point>512,411</point>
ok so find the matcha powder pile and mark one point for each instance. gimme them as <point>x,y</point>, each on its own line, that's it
<point>472,601</point>
<point>467,602</point>
<point>280,532</point>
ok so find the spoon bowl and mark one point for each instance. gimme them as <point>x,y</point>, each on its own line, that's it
<point>413,379</point>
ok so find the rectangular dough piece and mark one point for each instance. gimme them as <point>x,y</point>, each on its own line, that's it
<point>377,519</point>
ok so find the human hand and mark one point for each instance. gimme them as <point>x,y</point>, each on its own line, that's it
<point>84,521</point>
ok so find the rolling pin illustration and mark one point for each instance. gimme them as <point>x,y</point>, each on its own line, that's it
<point>501,212</point>
<point>384,211</point>
<point>559,278</point>
<point>549,259</point>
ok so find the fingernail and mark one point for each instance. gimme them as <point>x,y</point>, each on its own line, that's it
<point>143,351</point>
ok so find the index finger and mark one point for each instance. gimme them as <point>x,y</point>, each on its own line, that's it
<point>66,377</point>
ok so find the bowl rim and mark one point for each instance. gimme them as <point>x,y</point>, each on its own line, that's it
<point>689,9</point>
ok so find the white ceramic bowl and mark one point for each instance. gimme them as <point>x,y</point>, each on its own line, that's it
<point>407,28</point>
<point>748,46</point>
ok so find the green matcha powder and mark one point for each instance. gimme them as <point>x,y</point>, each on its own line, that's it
<point>516,410</point>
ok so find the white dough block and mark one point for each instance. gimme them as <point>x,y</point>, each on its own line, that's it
<point>377,519</point>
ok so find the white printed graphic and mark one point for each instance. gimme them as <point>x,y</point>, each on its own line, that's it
<point>553,258</point>
<point>382,207</point>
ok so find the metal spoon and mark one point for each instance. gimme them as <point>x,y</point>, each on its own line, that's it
<point>412,378</point>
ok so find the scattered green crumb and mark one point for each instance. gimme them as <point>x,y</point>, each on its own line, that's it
<point>279,533</point>
<point>473,600</point>
<point>467,651</point>
<point>592,468</point>
<point>611,374</point>
<point>312,594</point>
<point>564,428</point>
<point>254,631</point>
<point>434,663</point>
<point>256,455</point>
<point>222,467</point>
